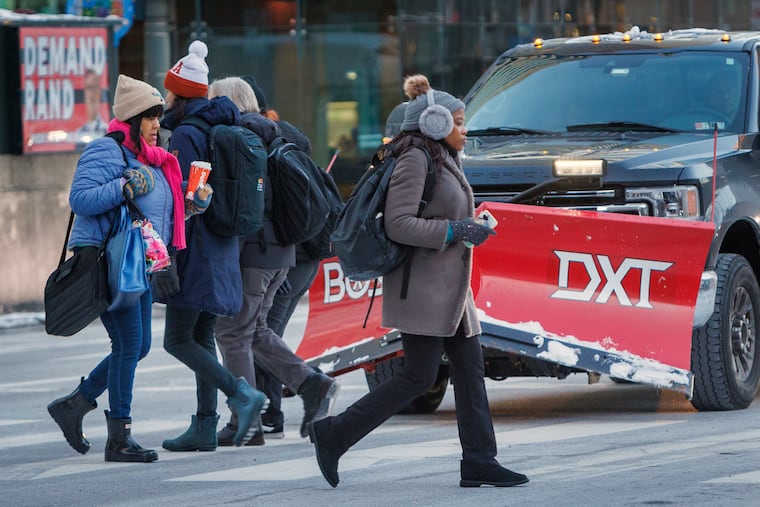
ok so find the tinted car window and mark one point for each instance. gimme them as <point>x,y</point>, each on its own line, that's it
<point>685,91</point>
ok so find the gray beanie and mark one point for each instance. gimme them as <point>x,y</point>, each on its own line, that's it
<point>416,106</point>
<point>133,97</point>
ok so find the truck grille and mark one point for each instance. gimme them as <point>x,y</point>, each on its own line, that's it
<point>608,200</point>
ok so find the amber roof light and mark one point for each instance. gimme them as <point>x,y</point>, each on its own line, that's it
<point>539,42</point>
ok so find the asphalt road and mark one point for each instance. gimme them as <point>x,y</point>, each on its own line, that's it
<point>604,444</point>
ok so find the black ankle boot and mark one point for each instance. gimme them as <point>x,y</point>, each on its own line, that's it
<point>68,413</point>
<point>328,450</point>
<point>475,475</point>
<point>121,446</point>
<point>318,392</point>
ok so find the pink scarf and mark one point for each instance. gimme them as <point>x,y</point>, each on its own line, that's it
<point>158,157</point>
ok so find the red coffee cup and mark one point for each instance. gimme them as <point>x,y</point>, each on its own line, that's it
<point>199,172</point>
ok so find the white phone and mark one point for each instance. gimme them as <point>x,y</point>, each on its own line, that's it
<point>486,218</point>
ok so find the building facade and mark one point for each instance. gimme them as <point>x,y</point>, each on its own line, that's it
<point>335,67</point>
<point>332,67</point>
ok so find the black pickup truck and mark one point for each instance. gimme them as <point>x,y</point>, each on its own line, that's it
<point>666,112</point>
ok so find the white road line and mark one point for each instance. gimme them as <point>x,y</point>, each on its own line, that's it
<point>653,455</point>
<point>745,478</point>
<point>307,467</point>
<point>7,386</point>
<point>99,432</point>
<point>93,461</point>
<point>11,422</point>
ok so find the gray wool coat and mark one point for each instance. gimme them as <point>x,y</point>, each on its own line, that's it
<point>439,295</point>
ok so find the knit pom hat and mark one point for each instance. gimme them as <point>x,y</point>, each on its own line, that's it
<point>133,96</point>
<point>189,76</point>
<point>429,104</point>
<point>260,97</point>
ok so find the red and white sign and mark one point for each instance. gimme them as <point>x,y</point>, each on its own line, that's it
<point>64,86</point>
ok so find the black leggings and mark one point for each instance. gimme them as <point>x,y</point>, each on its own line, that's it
<point>422,357</point>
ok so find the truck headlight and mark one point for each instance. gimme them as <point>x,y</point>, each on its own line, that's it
<point>581,168</point>
<point>678,201</point>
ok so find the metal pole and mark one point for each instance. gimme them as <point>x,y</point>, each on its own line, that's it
<point>157,54</point>
<point>300,59</point>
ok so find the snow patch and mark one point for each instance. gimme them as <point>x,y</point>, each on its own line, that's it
<point>560,353</point>
<point>624,364</point>
<point>21,319</point>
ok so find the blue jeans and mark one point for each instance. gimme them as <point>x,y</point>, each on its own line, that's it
<point>189,336</point>
<point>129,331</point>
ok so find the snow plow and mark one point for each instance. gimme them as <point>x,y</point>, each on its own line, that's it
<point>548,290</point>
<point>623,171</point>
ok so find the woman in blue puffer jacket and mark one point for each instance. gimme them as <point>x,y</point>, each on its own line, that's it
<point>126,163</point>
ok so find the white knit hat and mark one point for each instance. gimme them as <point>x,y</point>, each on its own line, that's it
<point>133,96</point>
<point>189,76</point>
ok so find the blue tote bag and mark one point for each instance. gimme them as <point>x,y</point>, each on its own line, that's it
<point>125,253</point>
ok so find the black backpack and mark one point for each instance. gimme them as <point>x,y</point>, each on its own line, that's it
<point>359,239</point>
<point>320,246</point>
<point>300,207</point>
<point>238,160</point>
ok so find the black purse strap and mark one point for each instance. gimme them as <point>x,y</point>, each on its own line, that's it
<point>66,241</point>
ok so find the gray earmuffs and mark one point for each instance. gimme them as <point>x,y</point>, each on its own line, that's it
<point>436,122</point>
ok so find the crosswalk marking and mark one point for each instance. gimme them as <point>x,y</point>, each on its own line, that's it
<point>745,478</point>
<point>99,432</point>
<point>67,381</point>
<point>625,459</point>
<point>12,422</point>
<point>302,468</point>
<point>584,467</point>
<point>93,460</point>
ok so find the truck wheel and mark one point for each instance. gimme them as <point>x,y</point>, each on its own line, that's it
<point>725,357</point>
<point>425,404</point>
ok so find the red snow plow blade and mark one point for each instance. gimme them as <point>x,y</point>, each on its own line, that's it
<point>598,292</point>
<point>604,292</point>
<point>335,339</point>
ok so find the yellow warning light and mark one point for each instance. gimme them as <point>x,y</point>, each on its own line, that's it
<point>725,38</point>
<point>539,42</point>
<point>596,39</point>
<point>658,37</point>
<point>627,37</point>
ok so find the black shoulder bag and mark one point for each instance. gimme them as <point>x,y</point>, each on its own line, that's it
<point>76,293</point>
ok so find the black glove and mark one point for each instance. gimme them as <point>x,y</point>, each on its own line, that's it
<point>166,283</point>
<point>285,288</point>
<point>470,231</point>
<point>139,181</point>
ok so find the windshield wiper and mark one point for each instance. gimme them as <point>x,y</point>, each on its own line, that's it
<point>504,131</point>
<point>617,126</point>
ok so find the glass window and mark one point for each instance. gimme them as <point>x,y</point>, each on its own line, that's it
<point>686,91</point>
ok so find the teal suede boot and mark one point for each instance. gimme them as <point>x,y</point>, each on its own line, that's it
<point>247,403</point>
<point>200,436</point>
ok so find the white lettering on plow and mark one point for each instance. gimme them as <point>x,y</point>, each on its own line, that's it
<point>614,278</point>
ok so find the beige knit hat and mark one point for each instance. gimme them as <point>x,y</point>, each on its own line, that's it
<point>133,96</point>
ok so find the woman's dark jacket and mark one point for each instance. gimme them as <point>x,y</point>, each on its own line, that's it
<point>209,268</point>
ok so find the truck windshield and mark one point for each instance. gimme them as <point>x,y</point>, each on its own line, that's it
<point>687,91</point>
